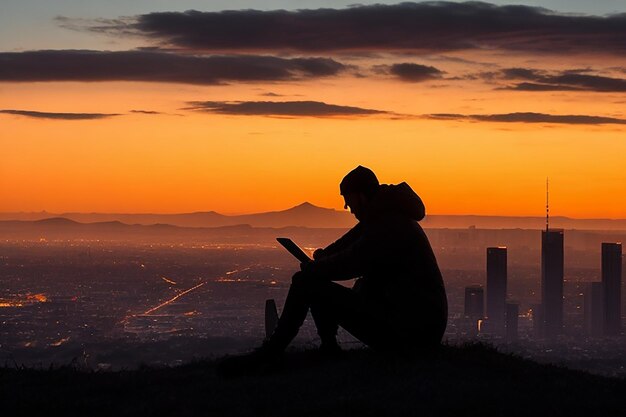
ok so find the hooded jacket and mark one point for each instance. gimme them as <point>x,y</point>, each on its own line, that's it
<point>395,265</point>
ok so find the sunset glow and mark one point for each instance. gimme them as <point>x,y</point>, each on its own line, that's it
<point>146,145</point>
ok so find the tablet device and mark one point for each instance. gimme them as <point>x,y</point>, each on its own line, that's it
<point>293,249</point>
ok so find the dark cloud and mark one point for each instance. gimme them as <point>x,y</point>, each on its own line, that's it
<point>58,116</point>
<point>541,87</point>
<point>280,108</point>
<point>146,112</point>
<point>426,26</point>
<point>587,82</point>
<point>457,60</point>
<point>532,118</point>
<point>78,65</point>
<point>521,73</point>
<point>581,79</point>
<point>414,72</point>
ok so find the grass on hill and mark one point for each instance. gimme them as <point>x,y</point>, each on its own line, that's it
<point>472,380</point>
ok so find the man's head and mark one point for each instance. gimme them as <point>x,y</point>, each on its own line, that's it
<point>357,189</point>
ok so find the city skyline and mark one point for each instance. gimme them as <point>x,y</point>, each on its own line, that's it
<point>163,290</point>
<point>107,108</point>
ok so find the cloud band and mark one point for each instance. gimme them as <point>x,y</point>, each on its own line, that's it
<point>426,26</point>
<point>80,65</point>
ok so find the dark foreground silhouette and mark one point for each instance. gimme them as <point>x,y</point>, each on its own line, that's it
<point>473,380</point>
<point>398,301</point>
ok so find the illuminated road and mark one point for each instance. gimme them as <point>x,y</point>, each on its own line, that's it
<point>169,281</point>
<point>171,300</point>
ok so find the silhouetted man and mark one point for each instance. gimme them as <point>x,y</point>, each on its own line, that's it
<point>398,300</point>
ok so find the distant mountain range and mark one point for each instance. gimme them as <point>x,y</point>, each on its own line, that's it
<point>59,228</point>
<point>311,216</point>
<point>303,215</point>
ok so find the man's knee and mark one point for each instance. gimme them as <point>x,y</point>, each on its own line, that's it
<point>303,279</point>
<point>308,283</point>
<point>299,279</point>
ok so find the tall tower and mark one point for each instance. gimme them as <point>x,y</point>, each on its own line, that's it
<point>496,287</point>
<point>612,283</point>
<point>552,265</point>
<point>512,312</point>
<point>474,302</point>
<point>594,309</point>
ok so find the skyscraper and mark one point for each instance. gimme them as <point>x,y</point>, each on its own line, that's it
<point>594,309</point>
<point>496,287</point>
<point>552,262</point>
<point>612,282</point>
<point>474,302</point>
<point>512,312</point>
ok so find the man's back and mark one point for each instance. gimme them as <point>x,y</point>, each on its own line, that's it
<point>391,254</point>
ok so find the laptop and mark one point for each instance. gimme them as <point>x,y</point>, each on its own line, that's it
<point>294,249</point>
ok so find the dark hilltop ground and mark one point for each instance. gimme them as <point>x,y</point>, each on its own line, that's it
<point>473,380</point>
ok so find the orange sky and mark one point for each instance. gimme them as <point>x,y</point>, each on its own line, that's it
<point>195,162</point>
<point>184,160</point>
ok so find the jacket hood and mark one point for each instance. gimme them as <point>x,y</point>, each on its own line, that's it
<point>400,199</point>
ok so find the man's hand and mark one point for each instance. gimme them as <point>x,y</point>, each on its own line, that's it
<point>304,266</point>
<point>309,270</point>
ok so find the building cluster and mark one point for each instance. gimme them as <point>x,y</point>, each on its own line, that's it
<point>492,314</point>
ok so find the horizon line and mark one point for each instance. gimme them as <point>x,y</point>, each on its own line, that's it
<point>231,214</point>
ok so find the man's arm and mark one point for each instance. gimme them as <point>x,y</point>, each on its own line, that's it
<point>349,259</point>
<point>340,244</point>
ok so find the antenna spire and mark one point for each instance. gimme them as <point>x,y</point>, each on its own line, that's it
<point>547,205</point>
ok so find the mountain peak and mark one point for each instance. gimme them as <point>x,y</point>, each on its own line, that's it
<point>56,221</point>
<point>307,206</point>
